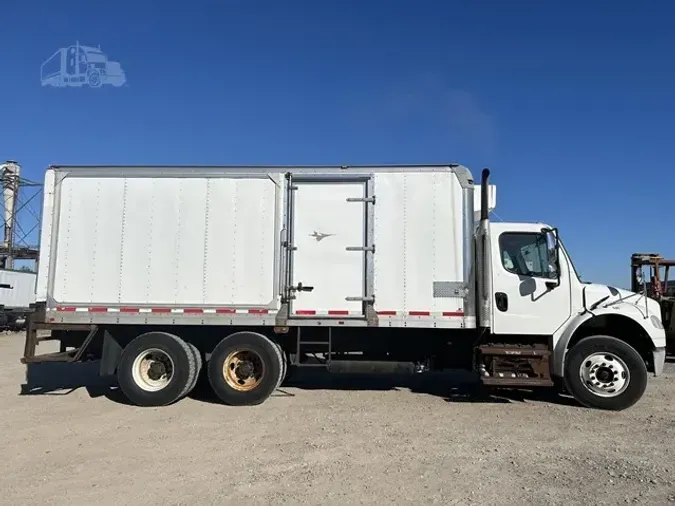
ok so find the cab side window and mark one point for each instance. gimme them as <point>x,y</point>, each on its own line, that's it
<point>526,254</point>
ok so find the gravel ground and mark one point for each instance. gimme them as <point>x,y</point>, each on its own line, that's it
<point>66,438</point>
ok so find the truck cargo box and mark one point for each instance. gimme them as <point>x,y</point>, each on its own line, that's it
<point>206,245</point>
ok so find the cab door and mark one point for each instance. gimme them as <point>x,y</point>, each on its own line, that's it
<point>528,295</point>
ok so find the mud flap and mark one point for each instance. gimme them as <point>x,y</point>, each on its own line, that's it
<point>111,353</point>
<point>659,358</point>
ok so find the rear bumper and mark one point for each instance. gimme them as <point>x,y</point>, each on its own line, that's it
<point>659,357</point>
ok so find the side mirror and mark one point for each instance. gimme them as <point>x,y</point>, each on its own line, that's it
<point>553,249</point>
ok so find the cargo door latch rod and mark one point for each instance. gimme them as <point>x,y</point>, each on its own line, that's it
<point>301,288</point>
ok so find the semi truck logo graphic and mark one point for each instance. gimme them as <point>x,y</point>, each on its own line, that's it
<point>319,236</point>
<point>78,65</point>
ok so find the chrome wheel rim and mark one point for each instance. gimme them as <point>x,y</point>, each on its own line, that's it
<point>604,374</point>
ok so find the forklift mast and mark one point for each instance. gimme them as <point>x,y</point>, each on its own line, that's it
<point>656,286</point>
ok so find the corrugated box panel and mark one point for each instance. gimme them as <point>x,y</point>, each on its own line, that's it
<point>167,240</point>
<point>418,239</point>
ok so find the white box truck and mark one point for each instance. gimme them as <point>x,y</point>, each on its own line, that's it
<point>243,273</point>
<point>17,296</point>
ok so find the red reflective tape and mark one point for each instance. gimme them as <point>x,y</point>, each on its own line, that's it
<point>453,313</point>
<point>305,312</point>
<point>160,310</point>
<point>129,310</point>
<point>65,308</point>
<point>225,310</point>
<point>258,311</point>
<point>419,313</point>
<point>193,310</point>
<point>338,312</point>
<point>98,309</point>
<point>387,313</point>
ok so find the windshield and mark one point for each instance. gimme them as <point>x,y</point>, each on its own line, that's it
<point>95,57</point>
<point>90,53</point>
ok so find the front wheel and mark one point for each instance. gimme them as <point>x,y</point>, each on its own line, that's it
<point>604,372</point>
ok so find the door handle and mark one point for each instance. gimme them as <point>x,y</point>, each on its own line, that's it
<point>502,301</point>
<point>302,288</point>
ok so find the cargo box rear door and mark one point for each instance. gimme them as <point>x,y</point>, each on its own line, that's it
<point>327,261</point>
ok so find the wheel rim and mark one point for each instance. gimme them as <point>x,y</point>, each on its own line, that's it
<point>152,370</point>
<point>604,374</point>
<point>243,370</point>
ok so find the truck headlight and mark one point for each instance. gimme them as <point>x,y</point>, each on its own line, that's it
<point>656,321</point>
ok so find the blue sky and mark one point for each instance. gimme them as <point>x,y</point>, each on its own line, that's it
<point>572,106</point>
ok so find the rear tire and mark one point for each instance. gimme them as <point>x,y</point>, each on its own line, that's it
<point>156,369</point>
<point>198,367</point>
<point>245,369</point>
<point>284,365</point>
<point>604,372</point>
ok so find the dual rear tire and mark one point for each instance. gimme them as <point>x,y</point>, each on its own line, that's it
<point>245,368</point>
<point>158,368</point>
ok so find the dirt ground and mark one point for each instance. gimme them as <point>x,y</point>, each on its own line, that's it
<point>67,438</point>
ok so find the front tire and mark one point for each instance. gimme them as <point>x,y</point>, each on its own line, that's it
<point>245,368</point>
<point>156,369</point>
<point>604,372</point>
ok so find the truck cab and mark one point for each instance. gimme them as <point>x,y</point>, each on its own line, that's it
<point>603,339</point>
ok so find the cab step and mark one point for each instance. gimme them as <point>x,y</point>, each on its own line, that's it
<point>508,365</point>
<point>516,382</point>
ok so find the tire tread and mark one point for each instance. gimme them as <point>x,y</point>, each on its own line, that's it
<point>635,363</point>
<point>152,400</point>
<point>197,368</point>
<point>227,394</point>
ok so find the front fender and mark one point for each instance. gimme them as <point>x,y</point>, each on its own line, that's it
<point>562,338</point>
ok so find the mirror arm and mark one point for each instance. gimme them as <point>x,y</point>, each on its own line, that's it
<point>557,256</point>
<point>554,284</point>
